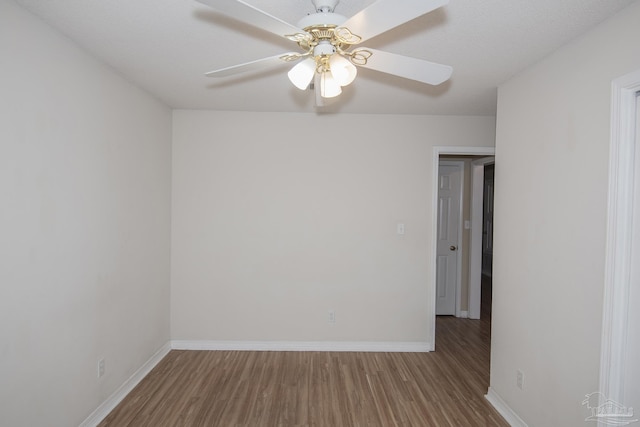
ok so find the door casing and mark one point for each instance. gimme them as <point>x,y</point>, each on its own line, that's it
<point>620,217</point>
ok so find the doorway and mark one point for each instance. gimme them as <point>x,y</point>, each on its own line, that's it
<point>464,256</point>
<point>468,155</point>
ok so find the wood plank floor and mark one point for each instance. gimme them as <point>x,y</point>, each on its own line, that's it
<point>246,388</point>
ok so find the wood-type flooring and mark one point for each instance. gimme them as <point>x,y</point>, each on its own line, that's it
<point>250,388</point>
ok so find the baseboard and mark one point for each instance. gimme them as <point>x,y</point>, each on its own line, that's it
<point>112,401</point>
<point>392,347</point>
<point>463,315</point>
<point>503,409</point>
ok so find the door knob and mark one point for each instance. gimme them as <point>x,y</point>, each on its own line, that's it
<point>453,248</point>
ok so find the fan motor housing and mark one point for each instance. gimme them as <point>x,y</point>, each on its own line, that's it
<point>321,19</point>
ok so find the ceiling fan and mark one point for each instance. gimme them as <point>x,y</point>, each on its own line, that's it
<point>327,39</point>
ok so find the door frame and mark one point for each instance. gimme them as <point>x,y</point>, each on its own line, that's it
<point>458,285</point>
<point>619,226</point>
<point>475,246</point>
<point>431,286</point>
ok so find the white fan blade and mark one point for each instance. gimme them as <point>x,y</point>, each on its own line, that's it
<point>258,64</point>
<point>384,15</point>
<point>242,11</point>
<point>409,68</point>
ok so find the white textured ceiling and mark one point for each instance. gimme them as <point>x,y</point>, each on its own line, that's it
<point>166,46</point>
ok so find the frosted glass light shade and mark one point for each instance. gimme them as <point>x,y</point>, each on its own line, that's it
<point>344,72</point>
<point>302,73</point>
<point>329,87</point>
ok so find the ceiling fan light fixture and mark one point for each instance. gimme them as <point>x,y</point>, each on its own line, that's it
<point>325,39</point>
<point>302,73</point>
<point>343,71</point>
<point>329,87</point>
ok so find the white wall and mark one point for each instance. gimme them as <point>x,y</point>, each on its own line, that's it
<point>278,218</point>
<point>84,226</point>
<point>552,154</point>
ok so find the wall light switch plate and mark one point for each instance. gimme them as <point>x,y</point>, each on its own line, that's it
<point>400,228</point>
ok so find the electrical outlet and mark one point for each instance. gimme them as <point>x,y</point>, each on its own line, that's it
<point>520,379</point>
<point>101,368</point>
<point>332,316</point>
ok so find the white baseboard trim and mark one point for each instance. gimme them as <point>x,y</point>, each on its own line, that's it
<point>391,347</point>
<point>464,314</point>
<point>112,401</point>
<point>501,406</point>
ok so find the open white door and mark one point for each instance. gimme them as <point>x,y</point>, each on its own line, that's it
<point>450,179</point>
